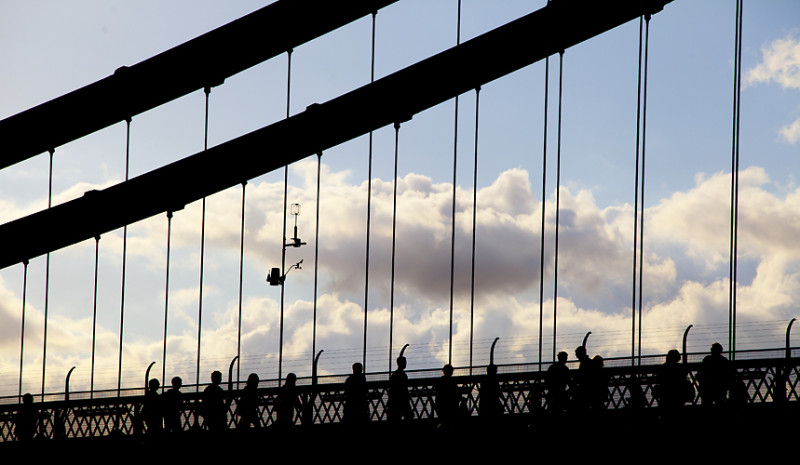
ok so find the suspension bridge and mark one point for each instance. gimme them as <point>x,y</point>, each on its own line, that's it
<point>768,377</point>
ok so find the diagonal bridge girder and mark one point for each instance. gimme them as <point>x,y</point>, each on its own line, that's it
<point>205,61</point>
<point>392,99</point>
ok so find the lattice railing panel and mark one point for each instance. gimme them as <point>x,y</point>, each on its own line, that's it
<point>523,393</point>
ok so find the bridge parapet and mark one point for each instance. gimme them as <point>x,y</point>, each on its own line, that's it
<point>523,394</point>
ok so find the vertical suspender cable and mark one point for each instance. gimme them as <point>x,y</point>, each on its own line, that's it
<point>636,196</point>
<point>22,329</point>
<point>558,199</point>
<point>735,181</point>
<point>241,278</point>
<point>316,264</point>
<point>94,312</point>
<point>643,151</point>
<point>207,91</point>
<point>394,217</point>
<point>453,218</point>
<point>544,194</point>
<point>124,261</point>
<point>47,278</point>
<point>369,219</point>
<point>474,229</point>
<point>166,301</point>
<point>285,196</point>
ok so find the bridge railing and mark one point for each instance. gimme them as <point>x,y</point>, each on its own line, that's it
<point>523,392</point>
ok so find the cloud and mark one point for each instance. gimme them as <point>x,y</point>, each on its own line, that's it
<point>685,276</point>
<point>780,63</point>
<point>791,132</point>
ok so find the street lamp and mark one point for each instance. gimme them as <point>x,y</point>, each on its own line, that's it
<point>295,241</point>
<point>276,279</point>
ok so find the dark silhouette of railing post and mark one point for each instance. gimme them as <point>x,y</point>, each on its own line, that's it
<point>778,387</point>
<point>583,344</point>
<point>230,374</point>
<point>66,384</point>
<point>685,338</point>
<point>309,398</point>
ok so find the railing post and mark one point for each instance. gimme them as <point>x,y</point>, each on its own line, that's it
<point>685,337</point>
<point>583,344</point>
<point>147,375</point>
<point>66,384</point>
<point>307,415</point>
<point>230,374</point>
<point>491,353</point>
<point>788,339</point>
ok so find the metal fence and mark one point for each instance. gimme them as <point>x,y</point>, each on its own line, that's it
<point>522,392</point>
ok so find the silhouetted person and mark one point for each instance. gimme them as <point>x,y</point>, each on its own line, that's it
<point>26,419</point>
<point>172,401</point>
<point>247,406</point>
<point>490,400</point>
<point>598,384</point>
<point>716,376</point>
<point>151,410</point>
<point>582,395</point>
<point>215,412</point>
<point>739,397</point>
<point>288,402</point>
<point>399,404</point>
<point>557,383</point>
<point>636,398</point>
<point>673,389</point>
<point>356,404</point>
<point>448,400</point>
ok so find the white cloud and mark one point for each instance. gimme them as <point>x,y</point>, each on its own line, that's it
<point>686,231</point>
<point>780,63</point>
<point>791,132</point>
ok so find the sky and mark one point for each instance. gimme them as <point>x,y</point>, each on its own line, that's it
<point>49,48</point>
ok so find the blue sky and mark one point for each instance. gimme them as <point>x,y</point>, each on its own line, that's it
<point>690,92</point>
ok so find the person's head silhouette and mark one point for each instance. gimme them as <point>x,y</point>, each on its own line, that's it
<point>673,356</point>
<point>447,370</point>
<point>216,377</point>
<point>716,348</point>
<point>357,368</point>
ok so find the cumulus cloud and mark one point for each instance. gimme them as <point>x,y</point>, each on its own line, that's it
<point>791,132</point>
<point>780,63</point>
<point>685,232</point>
